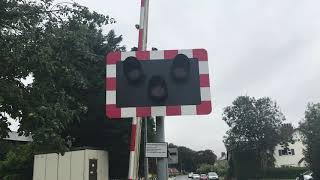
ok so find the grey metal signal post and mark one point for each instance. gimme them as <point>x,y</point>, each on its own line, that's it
<point>146,161</point>
<point>162,163</point>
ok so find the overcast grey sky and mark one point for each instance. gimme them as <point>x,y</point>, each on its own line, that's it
<point>256,48</point>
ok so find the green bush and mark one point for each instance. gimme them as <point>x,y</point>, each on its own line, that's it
<point>5,147</point>
<point>282,173</point>
<point>18,164</point>
<point>245,164</point>
<point>205,168</point>
<point>220,167</point>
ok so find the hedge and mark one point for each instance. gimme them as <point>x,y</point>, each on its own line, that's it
<point>282,173</point>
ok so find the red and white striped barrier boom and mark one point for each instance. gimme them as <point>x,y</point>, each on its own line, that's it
<point>137,121</point>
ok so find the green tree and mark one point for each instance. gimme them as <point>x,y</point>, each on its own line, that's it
<point>18,21</point>
<point>286,131</point>
<point>205,168</point>
<point>18,163</point>
<point>254,132</point>
<point>220,167</point>
<point>62,48</point>
<point>190,160</point>
<point>311,130</point>
<point>205,157</point>
<point>186,158</point>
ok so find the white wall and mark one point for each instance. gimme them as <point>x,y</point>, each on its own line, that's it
<point>291,160</point>
<point>73,165</point>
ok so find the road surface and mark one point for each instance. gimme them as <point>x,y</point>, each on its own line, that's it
<point>184,177</point>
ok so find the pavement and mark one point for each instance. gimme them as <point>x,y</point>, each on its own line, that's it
<point>184,177</point>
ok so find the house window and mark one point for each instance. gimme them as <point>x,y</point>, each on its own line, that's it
<point>286,151</point>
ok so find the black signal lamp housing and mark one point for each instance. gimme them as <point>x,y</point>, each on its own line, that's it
<point>157,89</point>
<point>180,69</point>
<point>133,70</point>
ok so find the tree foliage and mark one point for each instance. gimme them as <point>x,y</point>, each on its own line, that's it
<point>205,157</point>
<point>311,130</point>
<point>190,160</point>
<point>205,168</point>
<point>18,163</point>
<point>220,167</point>
<point>61,47</point>
<point>254,132</point>
<point>185,157</point>
<point>286,131</point>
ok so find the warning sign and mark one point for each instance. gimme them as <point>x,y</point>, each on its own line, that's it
<point>157,150</point>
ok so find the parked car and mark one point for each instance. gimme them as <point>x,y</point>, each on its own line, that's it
<point>305,176</point>
<point>190,175</point>
<point>203,177</point>
<point>196,176</point>
<point>213,176</point>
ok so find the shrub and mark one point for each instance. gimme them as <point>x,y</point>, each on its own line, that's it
<point>282,173</point>
<point>18,164</point>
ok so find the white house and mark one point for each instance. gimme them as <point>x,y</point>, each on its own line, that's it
<point>291,156</point>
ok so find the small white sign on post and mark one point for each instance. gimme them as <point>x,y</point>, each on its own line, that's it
<point>157,150</point>
<point>173,156</point>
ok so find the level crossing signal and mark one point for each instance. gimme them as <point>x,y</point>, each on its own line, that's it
<point>157,83</point>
